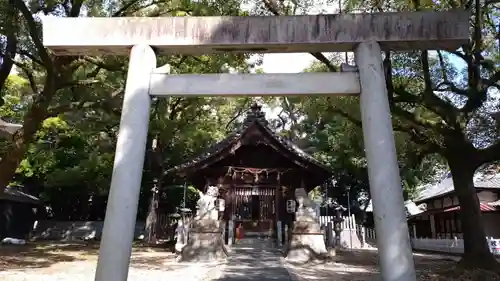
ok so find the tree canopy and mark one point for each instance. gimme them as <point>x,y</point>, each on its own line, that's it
<point>70,108</point>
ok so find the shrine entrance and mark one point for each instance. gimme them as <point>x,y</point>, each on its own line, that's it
<point>367,35</point>
<point>256,172</point>
<point>254,208</point>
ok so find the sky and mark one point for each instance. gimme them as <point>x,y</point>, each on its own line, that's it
<point>286,63</point>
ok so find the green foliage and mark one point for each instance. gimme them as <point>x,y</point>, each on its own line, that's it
<point>447,112</point>
<point>14,95</point>
<point>330,128</point>
<point>173,196</point>
<point>70,106</point>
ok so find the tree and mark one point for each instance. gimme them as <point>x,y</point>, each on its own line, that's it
<point>70,108</point>
<point>8,42</point>
<point>80,84</point>
<point>453,120</point>
<point>451,115</point>
<point>437,110</point>
<point>338,142</point>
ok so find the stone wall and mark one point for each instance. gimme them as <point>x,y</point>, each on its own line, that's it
<point>75,230</point>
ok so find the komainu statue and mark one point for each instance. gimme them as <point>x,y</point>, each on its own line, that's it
<point>206,204</point>
<point>205,241</point>
<point>307,242</point>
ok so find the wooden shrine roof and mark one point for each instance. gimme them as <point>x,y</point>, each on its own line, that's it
<point>255,117</point>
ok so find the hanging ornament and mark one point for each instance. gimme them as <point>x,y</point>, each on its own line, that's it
<point>221,204</point>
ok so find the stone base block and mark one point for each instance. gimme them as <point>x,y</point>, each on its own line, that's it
<point>205,243</point>
<point>306,244</point>
<point>332,252</point>
<point>350,239</point>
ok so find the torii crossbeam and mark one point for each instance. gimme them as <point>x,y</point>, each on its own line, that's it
<point>365,34</point>
<point>282,34</point>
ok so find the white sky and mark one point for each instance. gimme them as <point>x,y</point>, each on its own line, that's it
<point>286,63</point>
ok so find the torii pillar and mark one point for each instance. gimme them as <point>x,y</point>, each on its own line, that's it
<point>366,34</point>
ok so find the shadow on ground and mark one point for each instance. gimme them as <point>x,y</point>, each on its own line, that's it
<point>157,261</point>
<point>357,265</point>
<point>46,254</point>
<point>41,255</point>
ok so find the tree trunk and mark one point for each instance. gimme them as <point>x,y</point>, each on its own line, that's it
<point>8,165</point>
<point>476,251</point>
<point>152,218</point>
<point>10,48</point>
<point>32,121</point>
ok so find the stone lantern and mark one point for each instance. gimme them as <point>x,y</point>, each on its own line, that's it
<point>337,221</point>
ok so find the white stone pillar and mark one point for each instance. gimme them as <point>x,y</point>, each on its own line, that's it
<point>186,224</point>
<point>121,210</point>
<point>223,229</point>
<point>286,235</point>
<point>363,236</point>
<point>230,233</point>
<point>279,233</point>
<point>181,235</point>
<point>393,241</point>
<point>331,234</point>
<point>432,221</point>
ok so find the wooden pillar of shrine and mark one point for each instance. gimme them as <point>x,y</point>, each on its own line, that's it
<point>278,223</point>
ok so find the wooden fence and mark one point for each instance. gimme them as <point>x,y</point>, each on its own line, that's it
<point>352,235</point>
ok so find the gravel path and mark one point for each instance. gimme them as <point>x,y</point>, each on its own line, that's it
<point>254,264</point>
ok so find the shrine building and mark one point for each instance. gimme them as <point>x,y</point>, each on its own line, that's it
<point>257,172</point>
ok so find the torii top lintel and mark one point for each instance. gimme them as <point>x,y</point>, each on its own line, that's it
<point>257,34</point>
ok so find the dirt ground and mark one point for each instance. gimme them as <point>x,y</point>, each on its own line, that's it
<point>46,256</point>
<point>75,262</point>
<point>360,265</point>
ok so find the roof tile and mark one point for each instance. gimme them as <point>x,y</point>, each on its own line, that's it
<point>254,116</point>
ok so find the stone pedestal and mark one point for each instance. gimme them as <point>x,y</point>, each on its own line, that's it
<point>307,243</point>
<point>332,252</point>
<point>205,242</point>
<point>181,236</point>
<point>349,239</point>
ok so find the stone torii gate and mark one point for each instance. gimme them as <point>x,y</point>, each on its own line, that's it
<point>365,34</point>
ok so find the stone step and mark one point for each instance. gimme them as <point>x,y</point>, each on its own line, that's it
<point>254,241</point>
